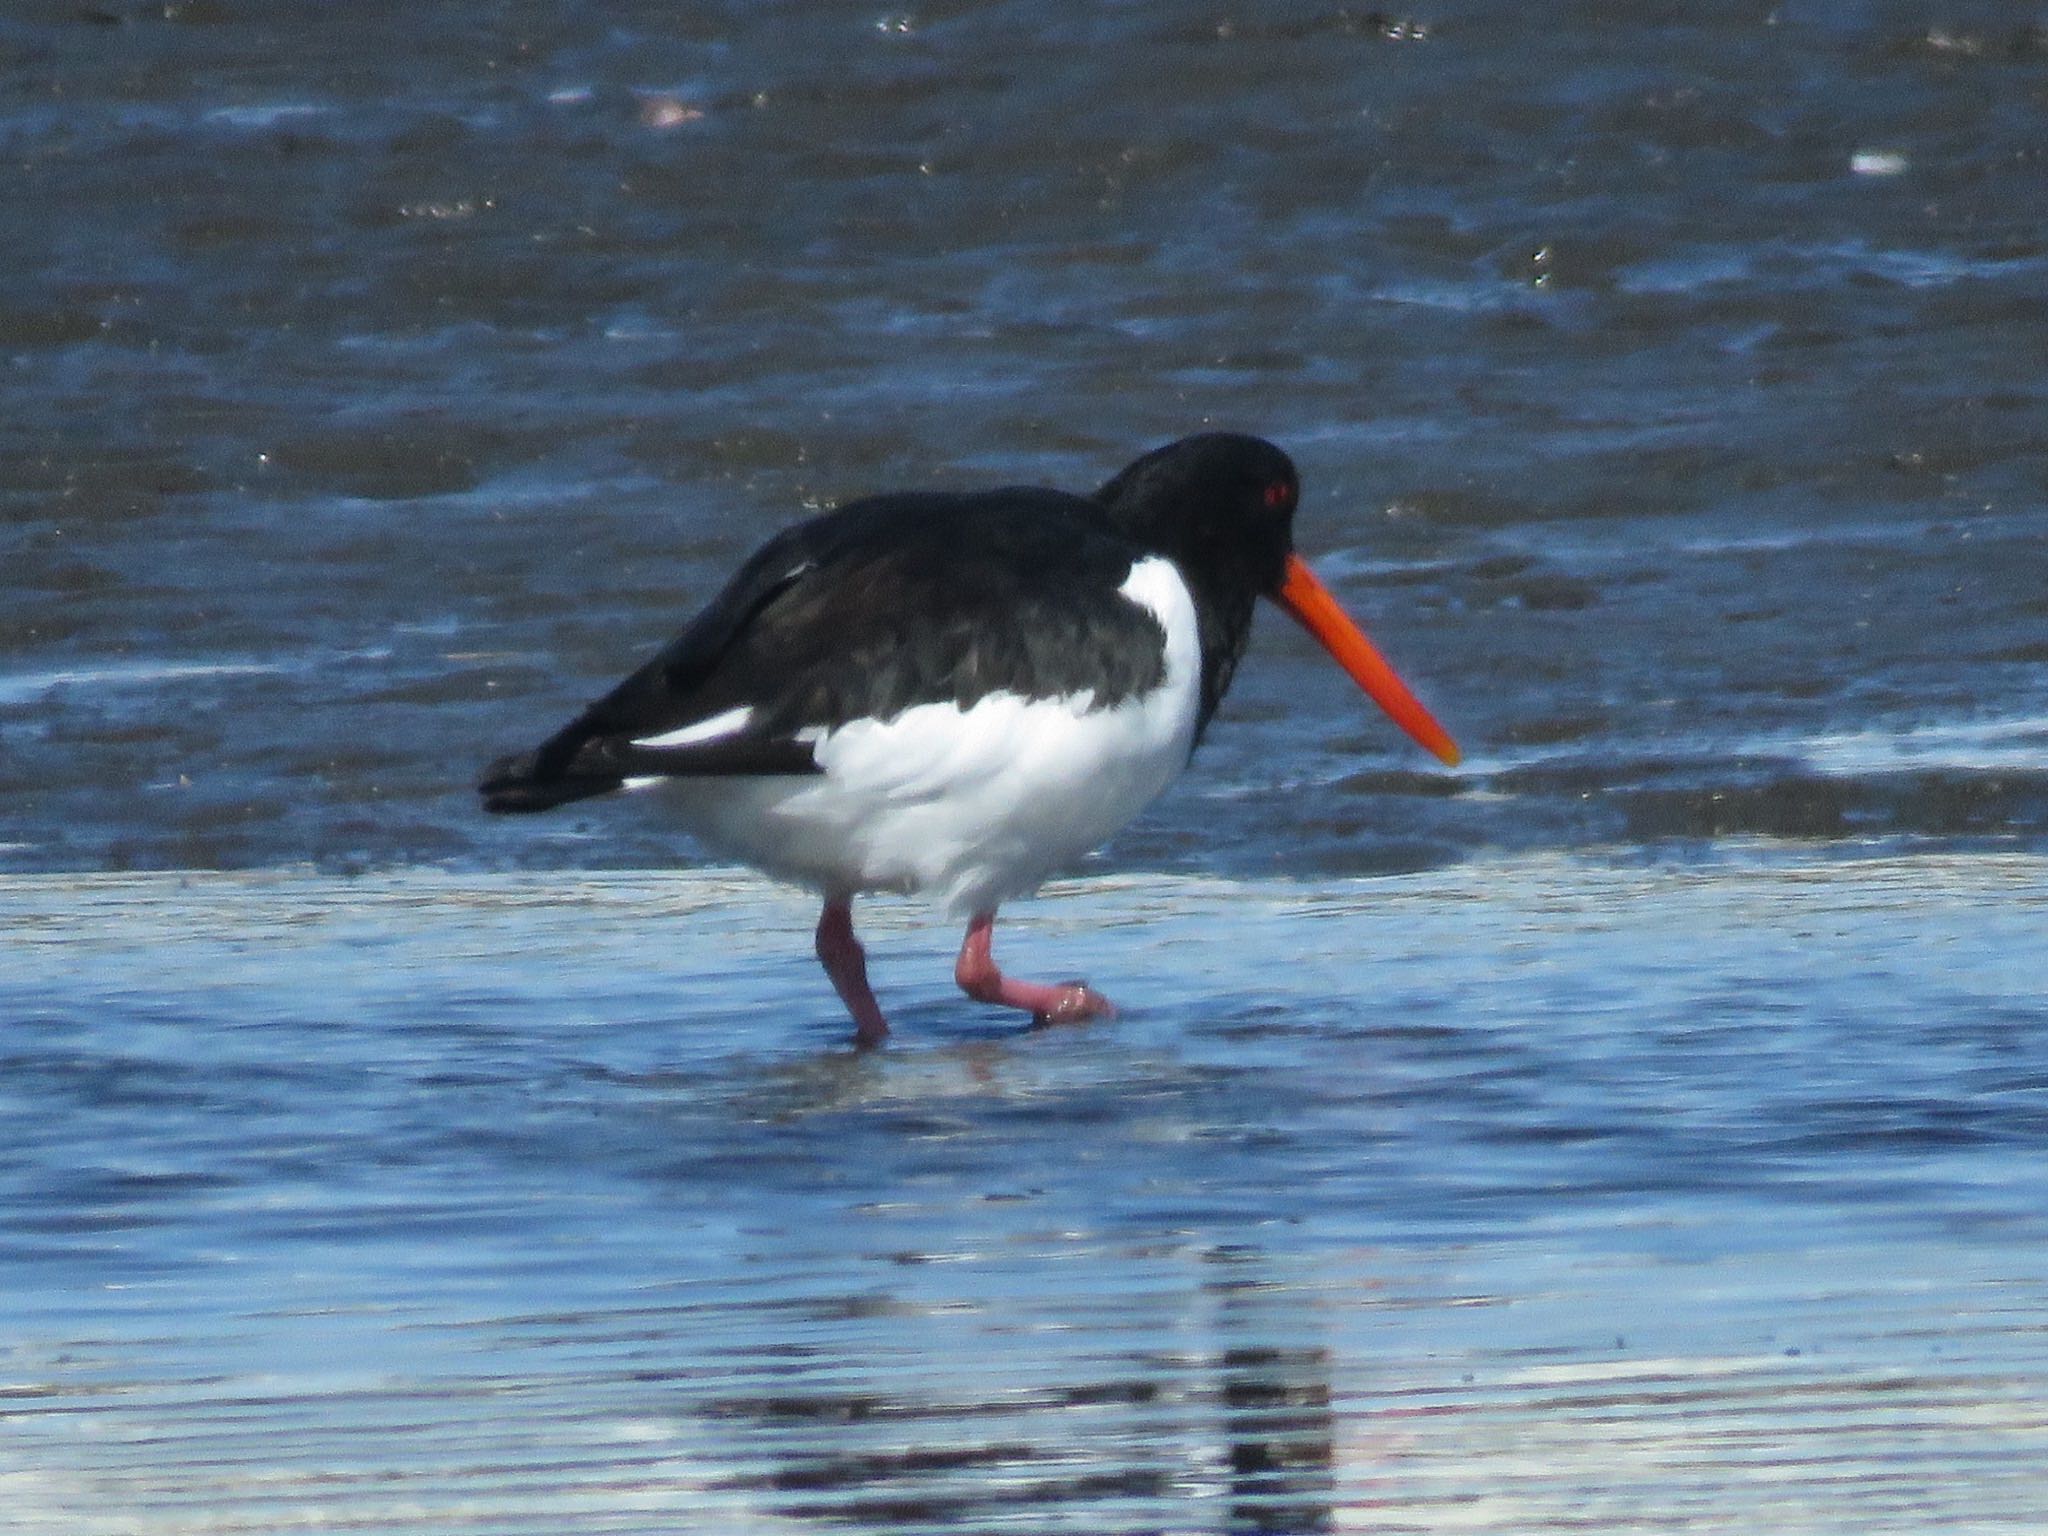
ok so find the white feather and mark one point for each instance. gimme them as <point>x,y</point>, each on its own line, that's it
<point>730,723</point>
<point>969,806</point>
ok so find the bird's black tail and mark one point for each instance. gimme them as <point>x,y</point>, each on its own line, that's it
<point>518,783</point>
<point>552,774</point>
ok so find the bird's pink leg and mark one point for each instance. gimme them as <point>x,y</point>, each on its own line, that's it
<point>980,979</point>
<point>847,964</point>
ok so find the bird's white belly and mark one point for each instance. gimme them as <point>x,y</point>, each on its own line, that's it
<point>973,805</point>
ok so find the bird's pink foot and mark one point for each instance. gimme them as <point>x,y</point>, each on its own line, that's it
<point>1075,1002</point>
<point>981,979</point>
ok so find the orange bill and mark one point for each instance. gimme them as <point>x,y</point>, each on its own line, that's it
<point>1302,595</point>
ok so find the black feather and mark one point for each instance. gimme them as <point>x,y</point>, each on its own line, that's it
<point>861,614</point>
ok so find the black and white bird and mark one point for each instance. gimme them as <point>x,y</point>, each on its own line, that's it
<point>958,694</point>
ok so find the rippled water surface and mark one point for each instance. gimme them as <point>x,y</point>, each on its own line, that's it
<point>1640,1128</point>
<point>1526,1197</point>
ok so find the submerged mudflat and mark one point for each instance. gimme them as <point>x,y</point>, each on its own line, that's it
<point>1666,391</point>
<point>1523,1196</point>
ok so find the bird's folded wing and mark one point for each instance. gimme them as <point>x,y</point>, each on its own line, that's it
<point>859,615</point>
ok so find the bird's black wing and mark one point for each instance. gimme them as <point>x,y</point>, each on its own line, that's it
<point>862,613</point>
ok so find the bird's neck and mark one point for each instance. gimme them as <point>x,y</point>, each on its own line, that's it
<point>1223,624</point>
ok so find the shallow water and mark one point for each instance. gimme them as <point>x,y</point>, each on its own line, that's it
<point>1638,1129</point>
<point>1529,1196</point>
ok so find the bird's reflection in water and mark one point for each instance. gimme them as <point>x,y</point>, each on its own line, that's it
<point>1234,1435</point>
<point>1278,1426</point>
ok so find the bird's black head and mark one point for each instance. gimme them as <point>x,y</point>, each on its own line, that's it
<point>1220,505</point>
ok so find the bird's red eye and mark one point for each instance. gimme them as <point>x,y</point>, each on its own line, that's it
<point>1279,496</point>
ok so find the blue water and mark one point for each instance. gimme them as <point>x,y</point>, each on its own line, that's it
<point>1505,1198</point>
<point>1640,1128</point>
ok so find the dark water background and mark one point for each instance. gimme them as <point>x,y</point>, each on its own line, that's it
<point>381,381</point>
<point>1641,1128</point>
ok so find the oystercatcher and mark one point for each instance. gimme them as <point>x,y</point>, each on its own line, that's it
<point>957,694</point>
